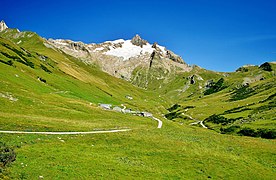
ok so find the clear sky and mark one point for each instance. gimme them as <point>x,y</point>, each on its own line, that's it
<point>219,35</point>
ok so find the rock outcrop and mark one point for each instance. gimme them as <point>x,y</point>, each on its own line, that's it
<point>138,41</point>
<point>3,26</point>
<point>121,57</point>
<point>174,57</point>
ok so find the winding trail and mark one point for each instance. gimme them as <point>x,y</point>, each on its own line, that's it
<point>201,123</point>
<point>61,133</point>
<point>160,123</point>
<point>197,121</point>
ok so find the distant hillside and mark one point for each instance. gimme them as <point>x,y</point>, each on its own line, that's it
<point>227,102</point>
<point>242,102</point>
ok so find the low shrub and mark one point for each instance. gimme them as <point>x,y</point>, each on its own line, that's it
<point>242,92</point>
<point>266,66</point>
<point>229,130</point>
<point>174,107</point>
<point>7,156</point>
<point>248,132</point>
<point>215,87</point>
<point>44,68</point>
<point>218,119</point>
<point>9,62</point>
<point>263,133</point>
<point>267,133</point>
<point>172,115</point>
<point>242,69</point>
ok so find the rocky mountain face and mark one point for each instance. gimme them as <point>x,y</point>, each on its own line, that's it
<point>122,58</point>
<point>138,41</point>
<point>3,26</point>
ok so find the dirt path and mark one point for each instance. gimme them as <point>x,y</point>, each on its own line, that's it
<point>60,133</point>
<point>197,121</point>
<point>160,123</point>
<point>201,123</point>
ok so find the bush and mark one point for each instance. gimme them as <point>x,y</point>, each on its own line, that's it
<point>229,130</point>
<point>7,155</point>
<point>30,64</point>
<point>248,132</point>
<point>267,133</point>
<point>188,107</point>
<point>266,66</point>
<point>9,62</point>
<point>174,107</point>
<point>171,116</point>
<point>242,69</point>
<point>215,87</point>
<point>263,133</point>
<point>217,119</point>
<point>44,68</point>
<point>242,92</point>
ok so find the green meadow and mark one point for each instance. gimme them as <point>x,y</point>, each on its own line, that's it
<point>43,89</point>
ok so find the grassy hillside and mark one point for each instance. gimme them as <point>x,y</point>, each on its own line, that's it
<point>44,89</point>
<point>236,102</point>
<point>173,152</point>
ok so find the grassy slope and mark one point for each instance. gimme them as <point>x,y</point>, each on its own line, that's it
<point>71,86</point>
<point>251,104</point>
<point>174,152</point>
<point>63,104</point>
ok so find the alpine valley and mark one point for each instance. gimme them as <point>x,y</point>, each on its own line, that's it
<point>128,109</point>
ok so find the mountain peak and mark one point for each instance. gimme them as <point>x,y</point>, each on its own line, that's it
<point>3,26</point>
<point>137,36</point>
<point>138,41</point>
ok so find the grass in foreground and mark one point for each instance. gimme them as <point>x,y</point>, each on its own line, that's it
<point>174,152</point>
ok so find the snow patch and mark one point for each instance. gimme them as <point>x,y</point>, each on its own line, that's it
<point>98,49</point>
<point>60,42</point>
<point>128,50</point>
<point>116,41</point>
<point>163,49</point>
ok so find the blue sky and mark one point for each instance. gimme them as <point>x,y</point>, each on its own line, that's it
<point>219,35</point>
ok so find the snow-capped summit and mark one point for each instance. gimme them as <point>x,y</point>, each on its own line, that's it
<point>127,49</point>
<point>3,26</point>
<point>121,57</point>
<point>122,49</point>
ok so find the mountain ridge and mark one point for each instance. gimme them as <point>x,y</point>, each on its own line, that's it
<point>80,44</point>
<point>3,26</point>
<point>121,58</point>
<point>45,89</point>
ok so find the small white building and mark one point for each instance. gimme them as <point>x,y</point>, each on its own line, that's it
<point>106,106</point>
<point>146,114</point>
<point>127,111</point>
<point>117,108</point>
